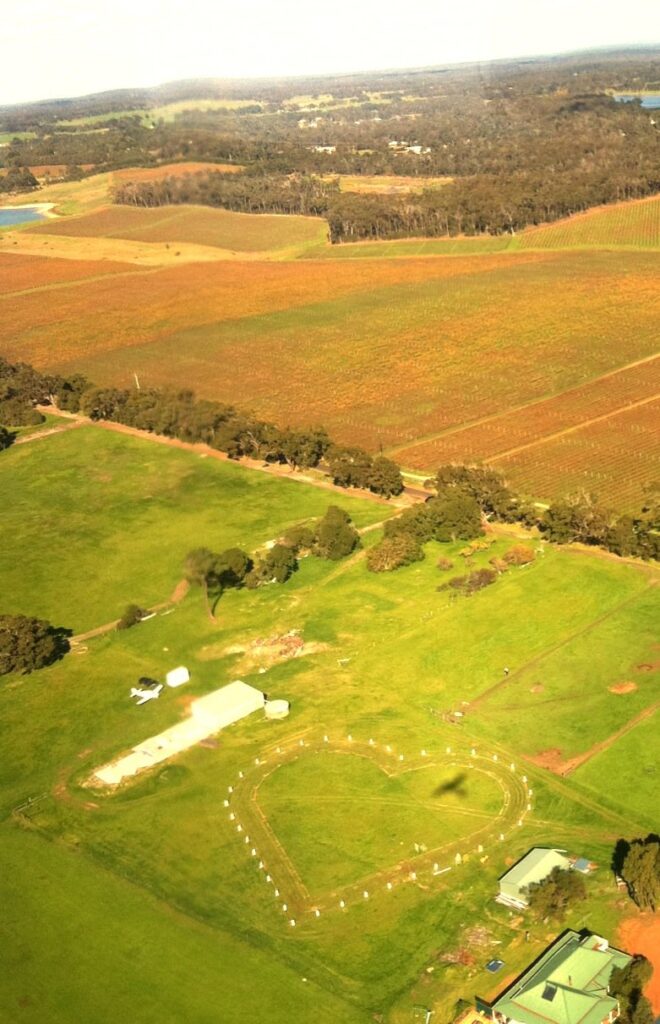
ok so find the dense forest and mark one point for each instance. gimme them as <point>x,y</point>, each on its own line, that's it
<point>524,142</point>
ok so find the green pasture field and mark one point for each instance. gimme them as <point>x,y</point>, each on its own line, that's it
<point>149,115</point>
<point>243,232</point>
<point>99,519</point>
<point>160,861</point>
<point>80,943</point>
<point>331,837</point>
<point>75,197</point>
<point>413,247</point>
<point>632,769</point>
<point>7,137</point>
<point>541,696</point>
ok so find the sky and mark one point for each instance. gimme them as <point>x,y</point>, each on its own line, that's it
<point>61,48</point>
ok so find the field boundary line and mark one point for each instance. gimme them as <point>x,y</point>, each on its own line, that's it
<point>70,284</point>
<point>480,421</point>
<point>573,763</point>
<point>501,683</point>
<point>39,435</point>
<point>572,430</point>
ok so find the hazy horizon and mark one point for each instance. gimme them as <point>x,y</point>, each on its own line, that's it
<point>81,48</point>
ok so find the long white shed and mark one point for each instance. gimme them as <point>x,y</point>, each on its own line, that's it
<point>208,715</point>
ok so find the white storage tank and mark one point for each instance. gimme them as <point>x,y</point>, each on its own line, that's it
<point>277,709</point>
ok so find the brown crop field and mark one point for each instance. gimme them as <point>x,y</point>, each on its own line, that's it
<point>387,184</point>
<point>95,321</point>
<point>613,459</point>
<point>19,273</point>
<point>490,439</point>
<point>635,224</point>
<point>240,232</point>
<point>171,171</point>
<point>541,362</point>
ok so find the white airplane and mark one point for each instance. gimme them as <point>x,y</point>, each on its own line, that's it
<point>146,695</point>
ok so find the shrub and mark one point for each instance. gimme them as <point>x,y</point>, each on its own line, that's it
<point>520,554</point>
<point>335,535</point>
<point>276,566</point>
<point>444,564</point>
<point>17,413</point>
<point>385,477</point>
<point>472,582</point>
<point>394,552</point>
<point>298,538</point>
<point>499,564</point>
<point>131,616</point>
<point>27,644</point>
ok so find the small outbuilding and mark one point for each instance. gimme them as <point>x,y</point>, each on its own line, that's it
<point>227,705</point>
<point>208,715</point>
<point>277,709</point>
<point>177,676</point>
<point>533,868</point>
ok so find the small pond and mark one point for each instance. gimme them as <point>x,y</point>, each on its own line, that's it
<point>11,215</point>
<point>649,102</point>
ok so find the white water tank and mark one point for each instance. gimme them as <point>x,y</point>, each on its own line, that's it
<point>276,709</point>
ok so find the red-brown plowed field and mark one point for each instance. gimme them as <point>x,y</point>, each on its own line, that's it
<point>171,171</point>
<point>489,440</point>
<point>613,459</point>
<point>22,273</point>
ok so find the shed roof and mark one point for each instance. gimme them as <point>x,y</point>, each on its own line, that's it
<point>229,698</point>
<point>568,985</point>
<point>534,867</point>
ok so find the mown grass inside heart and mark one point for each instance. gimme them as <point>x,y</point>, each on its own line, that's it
<point>341,818</point>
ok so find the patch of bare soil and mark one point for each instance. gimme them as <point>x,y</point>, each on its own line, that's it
<point>627,687</point>
<point>179,592</point>
<point>550,759</point>
<point>537,688</point>
<point>264,652</point>
<point>641,935</point>
<point>648,666</point>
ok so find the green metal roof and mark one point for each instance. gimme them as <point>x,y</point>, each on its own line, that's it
<point>534,867</point>
<point>568,985</point>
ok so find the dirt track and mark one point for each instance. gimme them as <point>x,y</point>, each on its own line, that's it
<point>552,759</point>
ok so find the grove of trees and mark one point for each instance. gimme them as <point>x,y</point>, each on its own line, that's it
<point>27,644</point>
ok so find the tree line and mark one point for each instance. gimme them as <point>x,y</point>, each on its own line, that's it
<point>478,205</point>
<point>461,497</point>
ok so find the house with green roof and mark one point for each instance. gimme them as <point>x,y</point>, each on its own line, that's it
<point>568,984</point>
<point>533,868</point>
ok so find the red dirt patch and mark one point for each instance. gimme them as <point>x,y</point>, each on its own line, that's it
<point>627,687</point>
<point>550,759</point>
<point>641,934</point>
<point>648,666</point>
